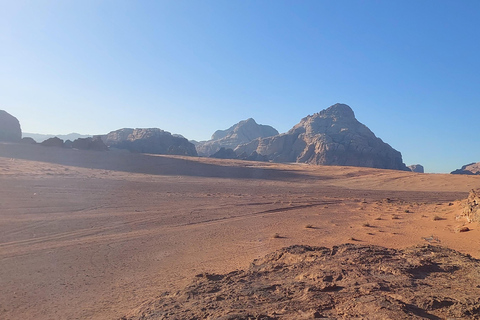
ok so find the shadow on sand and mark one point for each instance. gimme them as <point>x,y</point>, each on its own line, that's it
<point>147,164</point>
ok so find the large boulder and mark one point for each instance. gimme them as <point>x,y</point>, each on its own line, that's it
<point>10,130</point>
<point>469,169</point>
<point>95,143</point>
<point>240,133</point>
<point>331,137</point>
<point>152,140</point>
<point>416,168</point>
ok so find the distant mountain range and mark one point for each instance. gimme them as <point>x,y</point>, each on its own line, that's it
<point>38,137</point>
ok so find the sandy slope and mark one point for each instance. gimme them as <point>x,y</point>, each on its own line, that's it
<point>94,235</point>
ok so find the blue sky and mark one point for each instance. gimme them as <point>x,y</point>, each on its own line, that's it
<point>409,69</point>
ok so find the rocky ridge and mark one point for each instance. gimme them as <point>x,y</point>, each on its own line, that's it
<point>347,281</point>
<point>10,130</point>
<point>150,140</point>
<point>240,133</point>
<point>331,137</point>
<point>470,169</point>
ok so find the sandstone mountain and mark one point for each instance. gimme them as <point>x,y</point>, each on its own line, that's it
<point>417,168</point>
<point>10,130</point>
<point>470,169</point>
<point>151,140</point>
<point>240,133</point>
<point>331,137</point>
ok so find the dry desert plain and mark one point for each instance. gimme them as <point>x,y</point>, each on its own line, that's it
<point>93,235</point>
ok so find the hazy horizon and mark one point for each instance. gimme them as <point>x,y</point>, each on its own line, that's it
<point>408,69</point>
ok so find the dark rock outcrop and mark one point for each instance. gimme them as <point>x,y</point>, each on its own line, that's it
<point>240,133</point>
<point>331,137</point>
<point>224,154</point>
<point>349,281</point>
<point>95,143</point>
<point>53,142</point>
<point>28,140</point>
<point>469,169</point>
<point>10,130</point>
<point>152,140</point>
<point>417,168</point>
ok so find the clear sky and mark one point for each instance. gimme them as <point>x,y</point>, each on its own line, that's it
<point>409,69</point>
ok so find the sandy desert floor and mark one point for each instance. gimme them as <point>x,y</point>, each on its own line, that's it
<point>93,235</point>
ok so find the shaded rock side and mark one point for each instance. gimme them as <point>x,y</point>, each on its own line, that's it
<point>416,168</point>
<point>331,137</point>
<point>240,133</point>
<point>349,281</point>
<point>471,209</point>
<point>10,130</point>
<point>469,169</point>
<point>151,140</point>
<point>95,143</point>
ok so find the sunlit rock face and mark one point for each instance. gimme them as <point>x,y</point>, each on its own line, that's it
<point>331,137</point>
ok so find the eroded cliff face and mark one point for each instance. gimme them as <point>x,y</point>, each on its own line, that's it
<point>151,140</point>
<point>240,133</point>
<point>331,137</point>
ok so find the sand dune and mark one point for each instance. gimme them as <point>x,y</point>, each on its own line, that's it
<point>96,234</point>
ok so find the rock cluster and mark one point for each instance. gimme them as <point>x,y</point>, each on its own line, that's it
<point>152,140</point>
<point>10,130</point>
<point>240,133</point>
<point>331,137</point>
<point>344,282</point>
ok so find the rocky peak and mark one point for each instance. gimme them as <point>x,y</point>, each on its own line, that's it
<point>338,110</point>
<point>240,133</point>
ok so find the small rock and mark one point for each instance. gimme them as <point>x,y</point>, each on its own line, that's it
<point>462,229</point>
